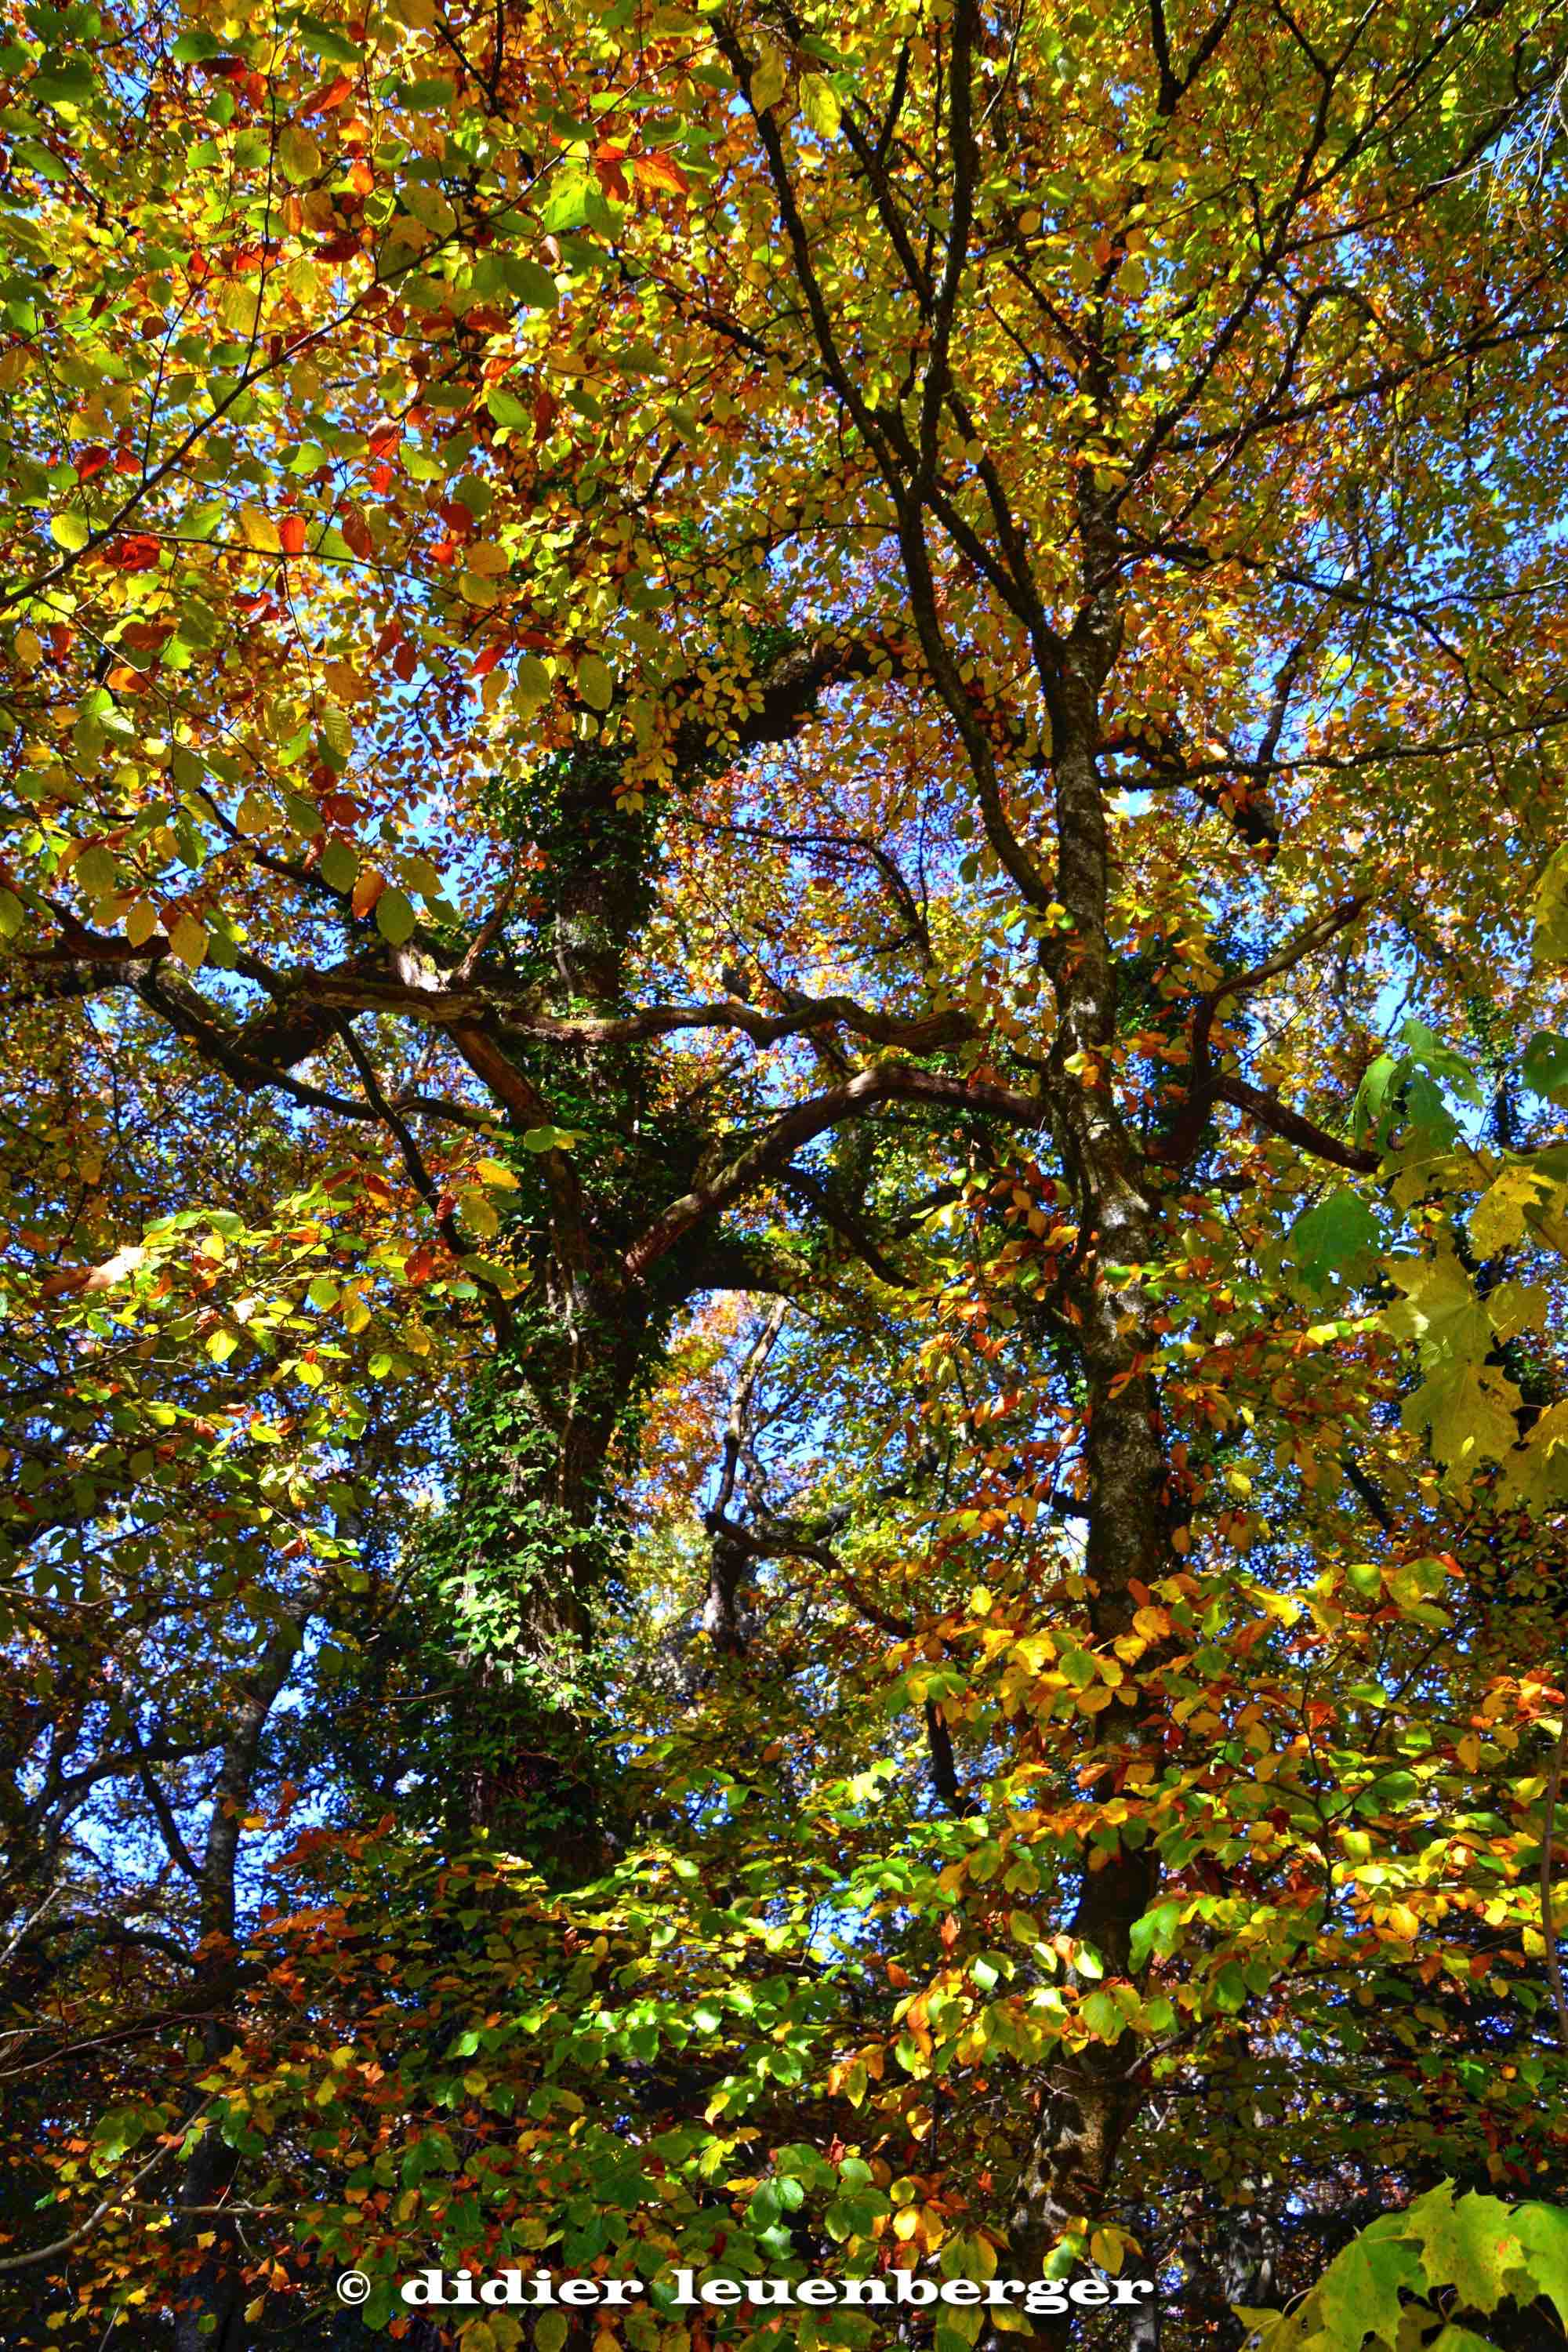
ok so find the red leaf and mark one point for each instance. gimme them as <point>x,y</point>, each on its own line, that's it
<point>139,552</point>
<point>291,534</point>
<point>332,93</point>
<point>90,462</point>
<point>487,661</point>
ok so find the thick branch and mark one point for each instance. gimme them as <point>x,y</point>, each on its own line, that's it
<point>774,1150</point>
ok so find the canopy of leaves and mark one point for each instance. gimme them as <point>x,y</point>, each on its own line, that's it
<point>783,922</point>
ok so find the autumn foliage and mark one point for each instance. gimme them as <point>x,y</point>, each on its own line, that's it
<point>783,925</point>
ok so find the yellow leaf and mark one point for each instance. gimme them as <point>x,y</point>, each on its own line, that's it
<point>140,921</point>
<point>478,1213</point>
<point>487,558</point>
<point>259,532</point>
<point>188,939</point>
<point>769,77</point>
<point>495,1172</point>
<point>1107,2247</point>
<point>1497,1220</point>
<point>819,104</point>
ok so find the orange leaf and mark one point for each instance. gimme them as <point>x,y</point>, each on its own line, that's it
<point>609,163</point>
<point>332,93</point>
<point>367,890</point>
<point>659,172</point>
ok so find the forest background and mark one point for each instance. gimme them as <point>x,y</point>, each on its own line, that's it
<point>784,918</point>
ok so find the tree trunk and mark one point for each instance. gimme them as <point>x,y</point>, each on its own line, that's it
<point>1087,2100</point>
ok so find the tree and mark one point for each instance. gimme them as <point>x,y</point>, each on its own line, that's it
<point>791,756</point>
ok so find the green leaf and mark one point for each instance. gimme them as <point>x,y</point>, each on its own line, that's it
<point>1154,1932</point>
<point>1336,1238</point>
<point>62,81</point>
<point>1546,1065</point>
<point>550,2331</point>
<point>1101,2016</point>
<point>570,202</point>
<point>69,532</point>
<point>1366,1112</point>
<point>596,682</point>
<point>1358,2294</point>
<point>529,280</point>
<point>507,409</point>
<point>1227,1991</point>
<point>1468,2244</point>
<point>326,40</point>
<point>340,865</point>
<point>1542,2232</point>
<point>395,917</point>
